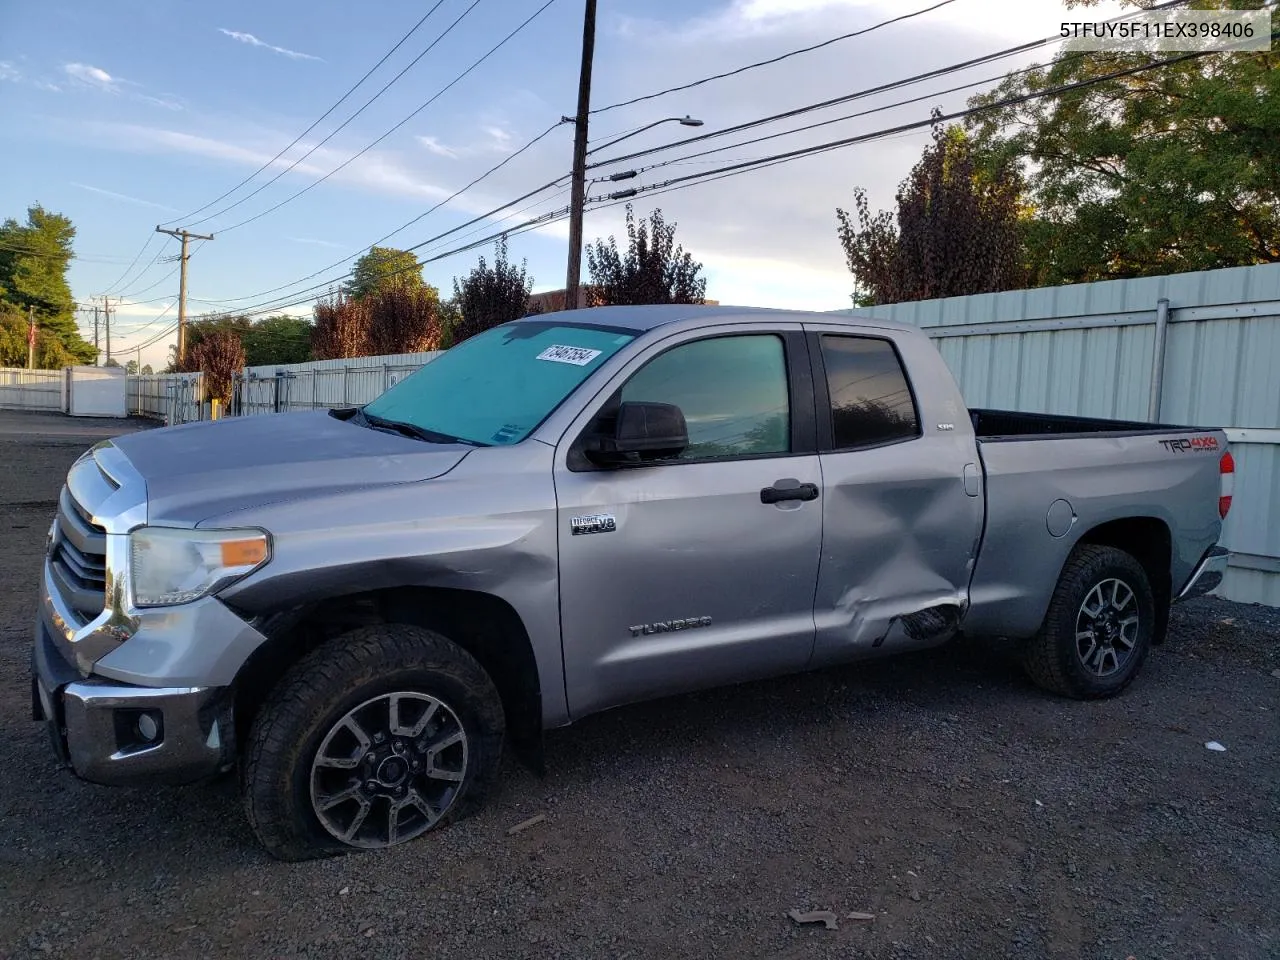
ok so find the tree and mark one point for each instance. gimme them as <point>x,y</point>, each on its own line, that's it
<point>653,270</point>
<point>146,370</point>
<point>273,340</point>
<point>219,356</point>
<point>34,258</point>
<point>13,336</point>
<point>112,362</point>
<point>1170,170</point>
<point>131,368</point>
<point>957,229</point>
<point>489,296</point>
<point>278,339</point>
<point>403,319</point>
<point>383,267</point>
<point>341,328</point>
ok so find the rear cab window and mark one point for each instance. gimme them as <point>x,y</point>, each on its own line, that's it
<point>870,397</point>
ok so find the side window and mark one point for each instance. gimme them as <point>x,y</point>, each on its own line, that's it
<point>732,390</point>
<point>871,400</point>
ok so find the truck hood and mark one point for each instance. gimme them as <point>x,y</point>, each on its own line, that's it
<point>201,470</point>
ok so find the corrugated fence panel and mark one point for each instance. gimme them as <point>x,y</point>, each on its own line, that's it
<point>1090,351</point>
<point>323,384</point>
<point>22,389</point>
<point>1253,525</point>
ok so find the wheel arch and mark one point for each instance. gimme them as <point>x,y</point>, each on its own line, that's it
<point>1149,541</point>
<point>484,625</point>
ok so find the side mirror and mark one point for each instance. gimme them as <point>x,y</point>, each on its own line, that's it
<point>638,433</point>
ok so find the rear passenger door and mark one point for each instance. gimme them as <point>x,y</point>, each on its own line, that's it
<point>900,529</point>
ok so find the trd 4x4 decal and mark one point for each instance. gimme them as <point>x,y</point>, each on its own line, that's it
<point>1189,444</point>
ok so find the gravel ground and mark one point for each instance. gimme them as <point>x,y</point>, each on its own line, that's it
<point>973,815</point>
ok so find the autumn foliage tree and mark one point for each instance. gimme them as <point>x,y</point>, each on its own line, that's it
<point>654,268</point>
<point>219,356</point>
<point>396,319</point>
<point>341,328</point>
<point>403,319</point>
<point>490,295</point>
<point>958,229</point>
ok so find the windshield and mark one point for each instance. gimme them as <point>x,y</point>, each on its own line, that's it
<point>496,387</point>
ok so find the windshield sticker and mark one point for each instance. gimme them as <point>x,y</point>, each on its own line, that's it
<point>578,356</point>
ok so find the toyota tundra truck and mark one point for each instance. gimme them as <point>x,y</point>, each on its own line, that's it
<point>357,610</point>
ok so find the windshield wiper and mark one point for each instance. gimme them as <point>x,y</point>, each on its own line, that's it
<point>413,430</point>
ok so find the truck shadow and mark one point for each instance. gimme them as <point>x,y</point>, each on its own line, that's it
<point>61,819</point>
<point>947,681</point>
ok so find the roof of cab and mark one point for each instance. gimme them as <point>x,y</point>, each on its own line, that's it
<point>648,317</point>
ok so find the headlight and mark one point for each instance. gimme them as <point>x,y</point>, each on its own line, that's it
<point>171,566</point>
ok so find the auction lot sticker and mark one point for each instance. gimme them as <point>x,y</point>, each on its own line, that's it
<point>578,356</point>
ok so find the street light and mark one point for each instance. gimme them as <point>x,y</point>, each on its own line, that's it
<point>578,182</point>
<point>685,121</point>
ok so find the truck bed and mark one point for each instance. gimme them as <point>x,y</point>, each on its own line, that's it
<point>1013,425</point>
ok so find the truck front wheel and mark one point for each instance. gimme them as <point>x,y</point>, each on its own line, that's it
<point>371,740</point>
<point>1098,630</point>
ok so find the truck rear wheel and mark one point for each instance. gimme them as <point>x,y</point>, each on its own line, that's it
<point>371,740</point>
<point>1098,630</point>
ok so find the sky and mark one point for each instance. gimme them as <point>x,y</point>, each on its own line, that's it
<point>137,113</point>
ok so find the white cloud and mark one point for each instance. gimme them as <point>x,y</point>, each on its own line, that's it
<point>253,41</point>
<point>494,139</point>
<point>122,196</point>
<point>499,139</point>
<point>167,102</point>
<point>433,145</point>
<point>378,171</point>
<point>93,76</point>
<point>9,72</point>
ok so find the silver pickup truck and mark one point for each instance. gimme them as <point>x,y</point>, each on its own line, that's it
<point>359,608</point>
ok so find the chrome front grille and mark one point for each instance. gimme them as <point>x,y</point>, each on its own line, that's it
<point>78,559</point>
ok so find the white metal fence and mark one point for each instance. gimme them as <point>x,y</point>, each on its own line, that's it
<point>171,397</point>
<point>22,389</point>
<point>1201,349</point>
<point>322,384</point>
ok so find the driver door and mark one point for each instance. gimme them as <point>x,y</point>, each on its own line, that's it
<point>677,575</point>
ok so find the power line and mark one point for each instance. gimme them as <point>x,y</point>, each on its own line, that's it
<point>337,103</point>
<point>333,133</point>
<point>492,50</point>
<point>772,60</point>
<point>404,226</point>
<point>692,158</point>
<point>745,166</point>
<point>150,323</point>
<point>531,224</point>
<point>45,255</point>
<point>868,91</point>
<point>136,257</point>
<point>704,176</point>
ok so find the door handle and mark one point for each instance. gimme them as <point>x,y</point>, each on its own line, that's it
<point>789,489</point>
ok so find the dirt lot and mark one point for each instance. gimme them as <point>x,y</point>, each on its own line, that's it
<point>972,814</point>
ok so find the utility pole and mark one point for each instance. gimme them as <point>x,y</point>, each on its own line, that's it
<point>578,197</point>
<point>106,314</point>
<point>97,351</point>
<point>31,338</point>
<point>186,238</point>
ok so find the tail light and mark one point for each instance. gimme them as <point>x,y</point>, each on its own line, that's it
<point>1227,483</point>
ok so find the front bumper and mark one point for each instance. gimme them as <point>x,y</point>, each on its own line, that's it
<point>116,733</point>
<point>1207,575</point>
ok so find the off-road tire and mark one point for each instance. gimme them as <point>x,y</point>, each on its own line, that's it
<point>275,773</point>
<point>1051,657</point>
